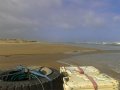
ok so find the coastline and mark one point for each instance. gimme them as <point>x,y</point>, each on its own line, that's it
<point>43,54</point>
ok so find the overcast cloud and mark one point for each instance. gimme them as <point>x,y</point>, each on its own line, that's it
<point>60,20</point>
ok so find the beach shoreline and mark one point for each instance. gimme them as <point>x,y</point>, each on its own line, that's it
<point>49,55</point>
<point>37,54</point>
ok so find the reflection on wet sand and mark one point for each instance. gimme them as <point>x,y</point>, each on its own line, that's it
<point>108,61</point>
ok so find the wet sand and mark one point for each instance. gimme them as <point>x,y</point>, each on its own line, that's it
<point>42,54</point>
<point>48,55</point>
<point>48,60</point>
<point>106,61</point>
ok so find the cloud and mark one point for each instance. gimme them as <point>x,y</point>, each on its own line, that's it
<point>116,18</point>
<point>25,17</point>
<point>42,13</point>
<point>91,20</point>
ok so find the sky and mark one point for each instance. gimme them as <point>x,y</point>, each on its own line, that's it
<point>60,20</point>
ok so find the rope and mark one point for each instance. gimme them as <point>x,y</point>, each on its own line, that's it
<point>39,81</point>
<point>93,82</point>
<point>81,71</point>
<point>31,73</point>
<point>8,75</point>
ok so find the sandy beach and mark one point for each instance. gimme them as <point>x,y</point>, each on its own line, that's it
<point>43,54</point>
